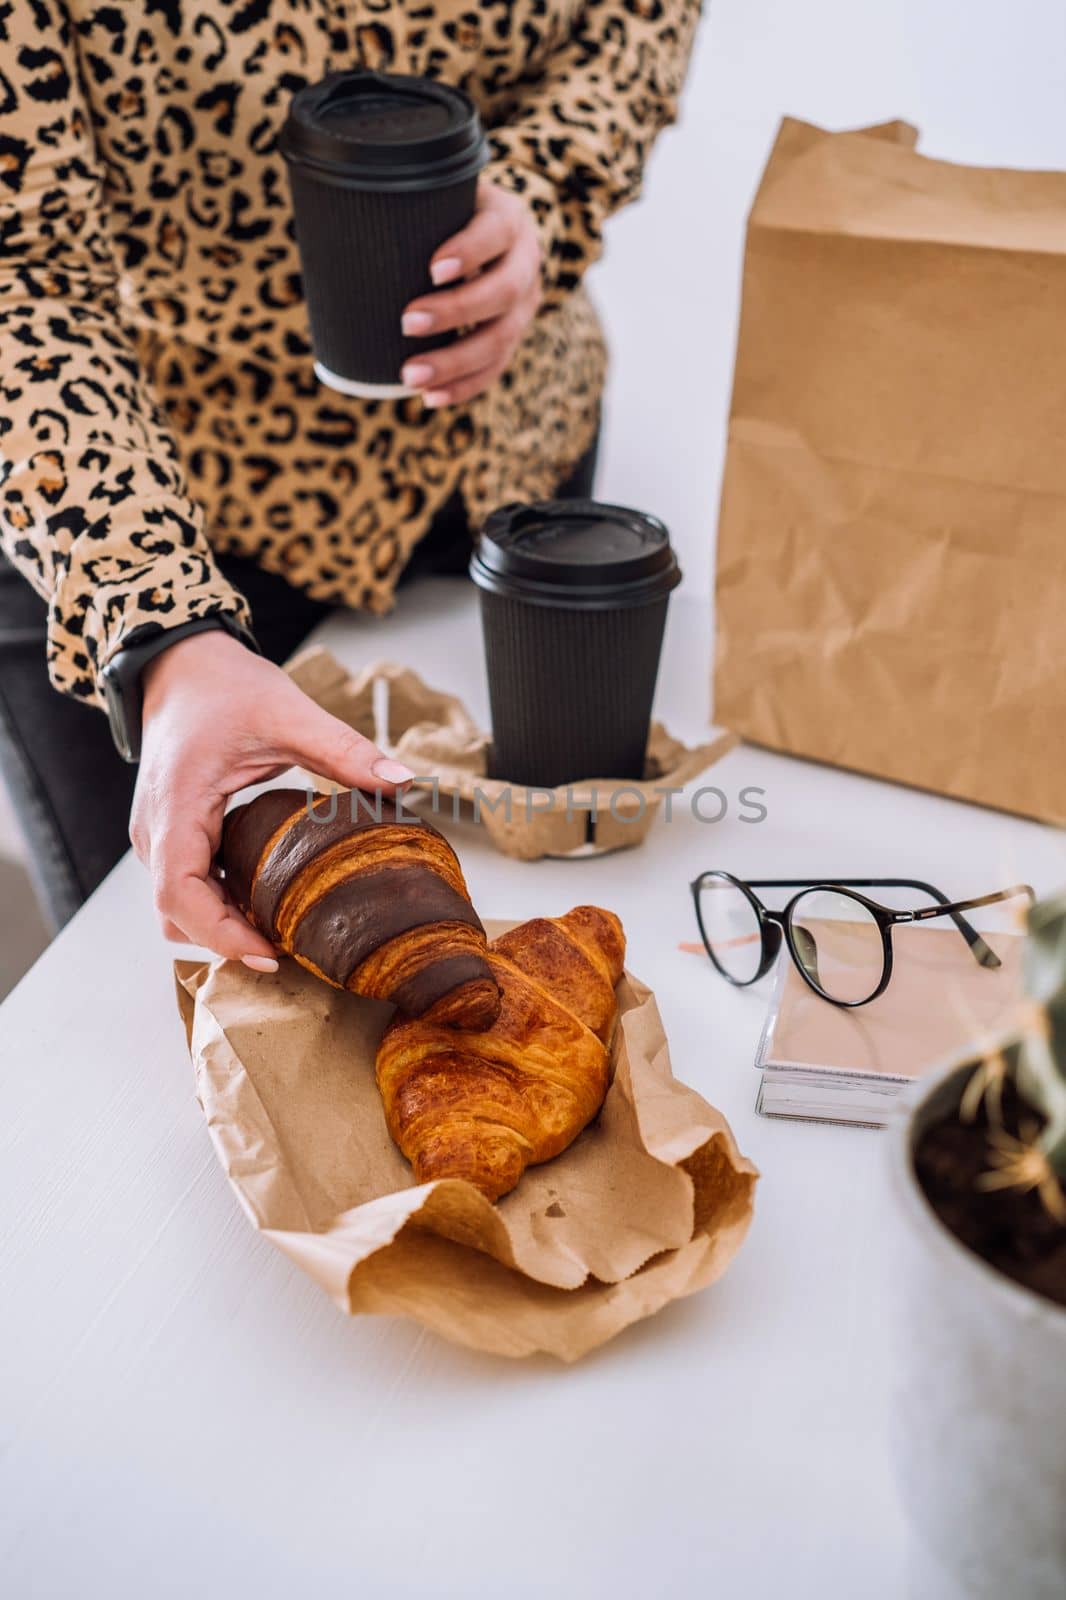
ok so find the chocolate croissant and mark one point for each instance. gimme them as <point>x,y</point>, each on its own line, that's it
<point>484,1106</point>
<point>368,900</point>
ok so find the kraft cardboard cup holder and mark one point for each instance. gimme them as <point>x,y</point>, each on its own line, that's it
<point>433,734</point>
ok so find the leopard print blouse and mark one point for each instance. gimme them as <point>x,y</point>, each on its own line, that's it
<point>157,399</point>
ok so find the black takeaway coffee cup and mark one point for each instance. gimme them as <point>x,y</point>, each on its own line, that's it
<point>383,170</point>
<point>573,607</point>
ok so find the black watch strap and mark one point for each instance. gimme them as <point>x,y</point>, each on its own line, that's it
<point>121,683</point>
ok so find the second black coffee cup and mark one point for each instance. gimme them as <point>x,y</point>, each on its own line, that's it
<point>573,606</point>
<point>383,170</point>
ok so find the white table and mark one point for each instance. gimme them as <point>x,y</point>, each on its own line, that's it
<point>183,1414</point>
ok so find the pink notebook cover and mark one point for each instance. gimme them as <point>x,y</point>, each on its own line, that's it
<point>939,1004</point>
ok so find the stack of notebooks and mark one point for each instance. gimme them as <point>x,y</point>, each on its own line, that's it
<point>826,1063</point>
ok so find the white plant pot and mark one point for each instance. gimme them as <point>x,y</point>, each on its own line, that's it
<point>980,1418</point>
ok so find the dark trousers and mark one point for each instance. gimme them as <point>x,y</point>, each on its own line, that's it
<point>70,789</point>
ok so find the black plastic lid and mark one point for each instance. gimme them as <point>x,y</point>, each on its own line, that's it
<point>378,130</point>
<point>580,554</point>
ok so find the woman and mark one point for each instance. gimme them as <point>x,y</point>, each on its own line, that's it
<point>173,475</point>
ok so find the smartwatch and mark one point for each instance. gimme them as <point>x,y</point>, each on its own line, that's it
<point>120,680</point>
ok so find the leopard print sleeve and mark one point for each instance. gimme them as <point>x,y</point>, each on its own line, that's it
<point>93,509</point>
<point>577,137</point>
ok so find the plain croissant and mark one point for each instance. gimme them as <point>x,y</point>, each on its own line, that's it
<point>484,1106</point>
<point>369,901</point>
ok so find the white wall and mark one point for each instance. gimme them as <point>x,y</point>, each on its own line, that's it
<point>985,80</point>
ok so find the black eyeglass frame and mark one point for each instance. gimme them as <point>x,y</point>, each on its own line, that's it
<point>775,926</point>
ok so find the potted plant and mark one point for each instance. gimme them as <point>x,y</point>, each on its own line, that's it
<point>980,1164</point>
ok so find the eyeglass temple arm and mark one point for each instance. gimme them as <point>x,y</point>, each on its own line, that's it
<point>983,952</point>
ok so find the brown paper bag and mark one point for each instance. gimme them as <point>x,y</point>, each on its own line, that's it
<point>892,545</point>
<point>650,1203</point>
<point>434,734</point>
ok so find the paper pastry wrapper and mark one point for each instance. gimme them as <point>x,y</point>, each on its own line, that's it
<point>651,1202</point>
<point>436,737</point>
<point>891,560</point>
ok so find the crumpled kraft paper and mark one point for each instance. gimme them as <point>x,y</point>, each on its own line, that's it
<point>651,1202</point>
<point>433,733</point>
<point>892,539</point>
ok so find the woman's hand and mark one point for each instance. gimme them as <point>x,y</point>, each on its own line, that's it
<point>497,303</point>
<point>217,717</point>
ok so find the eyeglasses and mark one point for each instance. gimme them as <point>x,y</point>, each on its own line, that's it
<point>840,940</point>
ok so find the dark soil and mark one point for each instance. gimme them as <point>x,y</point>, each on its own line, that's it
<point>1009,1229</point>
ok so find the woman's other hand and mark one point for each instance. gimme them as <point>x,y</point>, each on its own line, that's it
<point>497,257</point>
<point>217,718</point>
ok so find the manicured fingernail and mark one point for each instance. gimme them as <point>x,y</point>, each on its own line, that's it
<point>435,397</point>
<point>392,771</point>
<point>417,373</point>
<point>260,963</point>
<point>446,271</point>
<point>415,322</point>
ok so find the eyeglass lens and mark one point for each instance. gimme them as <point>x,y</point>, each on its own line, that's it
<point>839,944</point>
<point>731,929</point>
